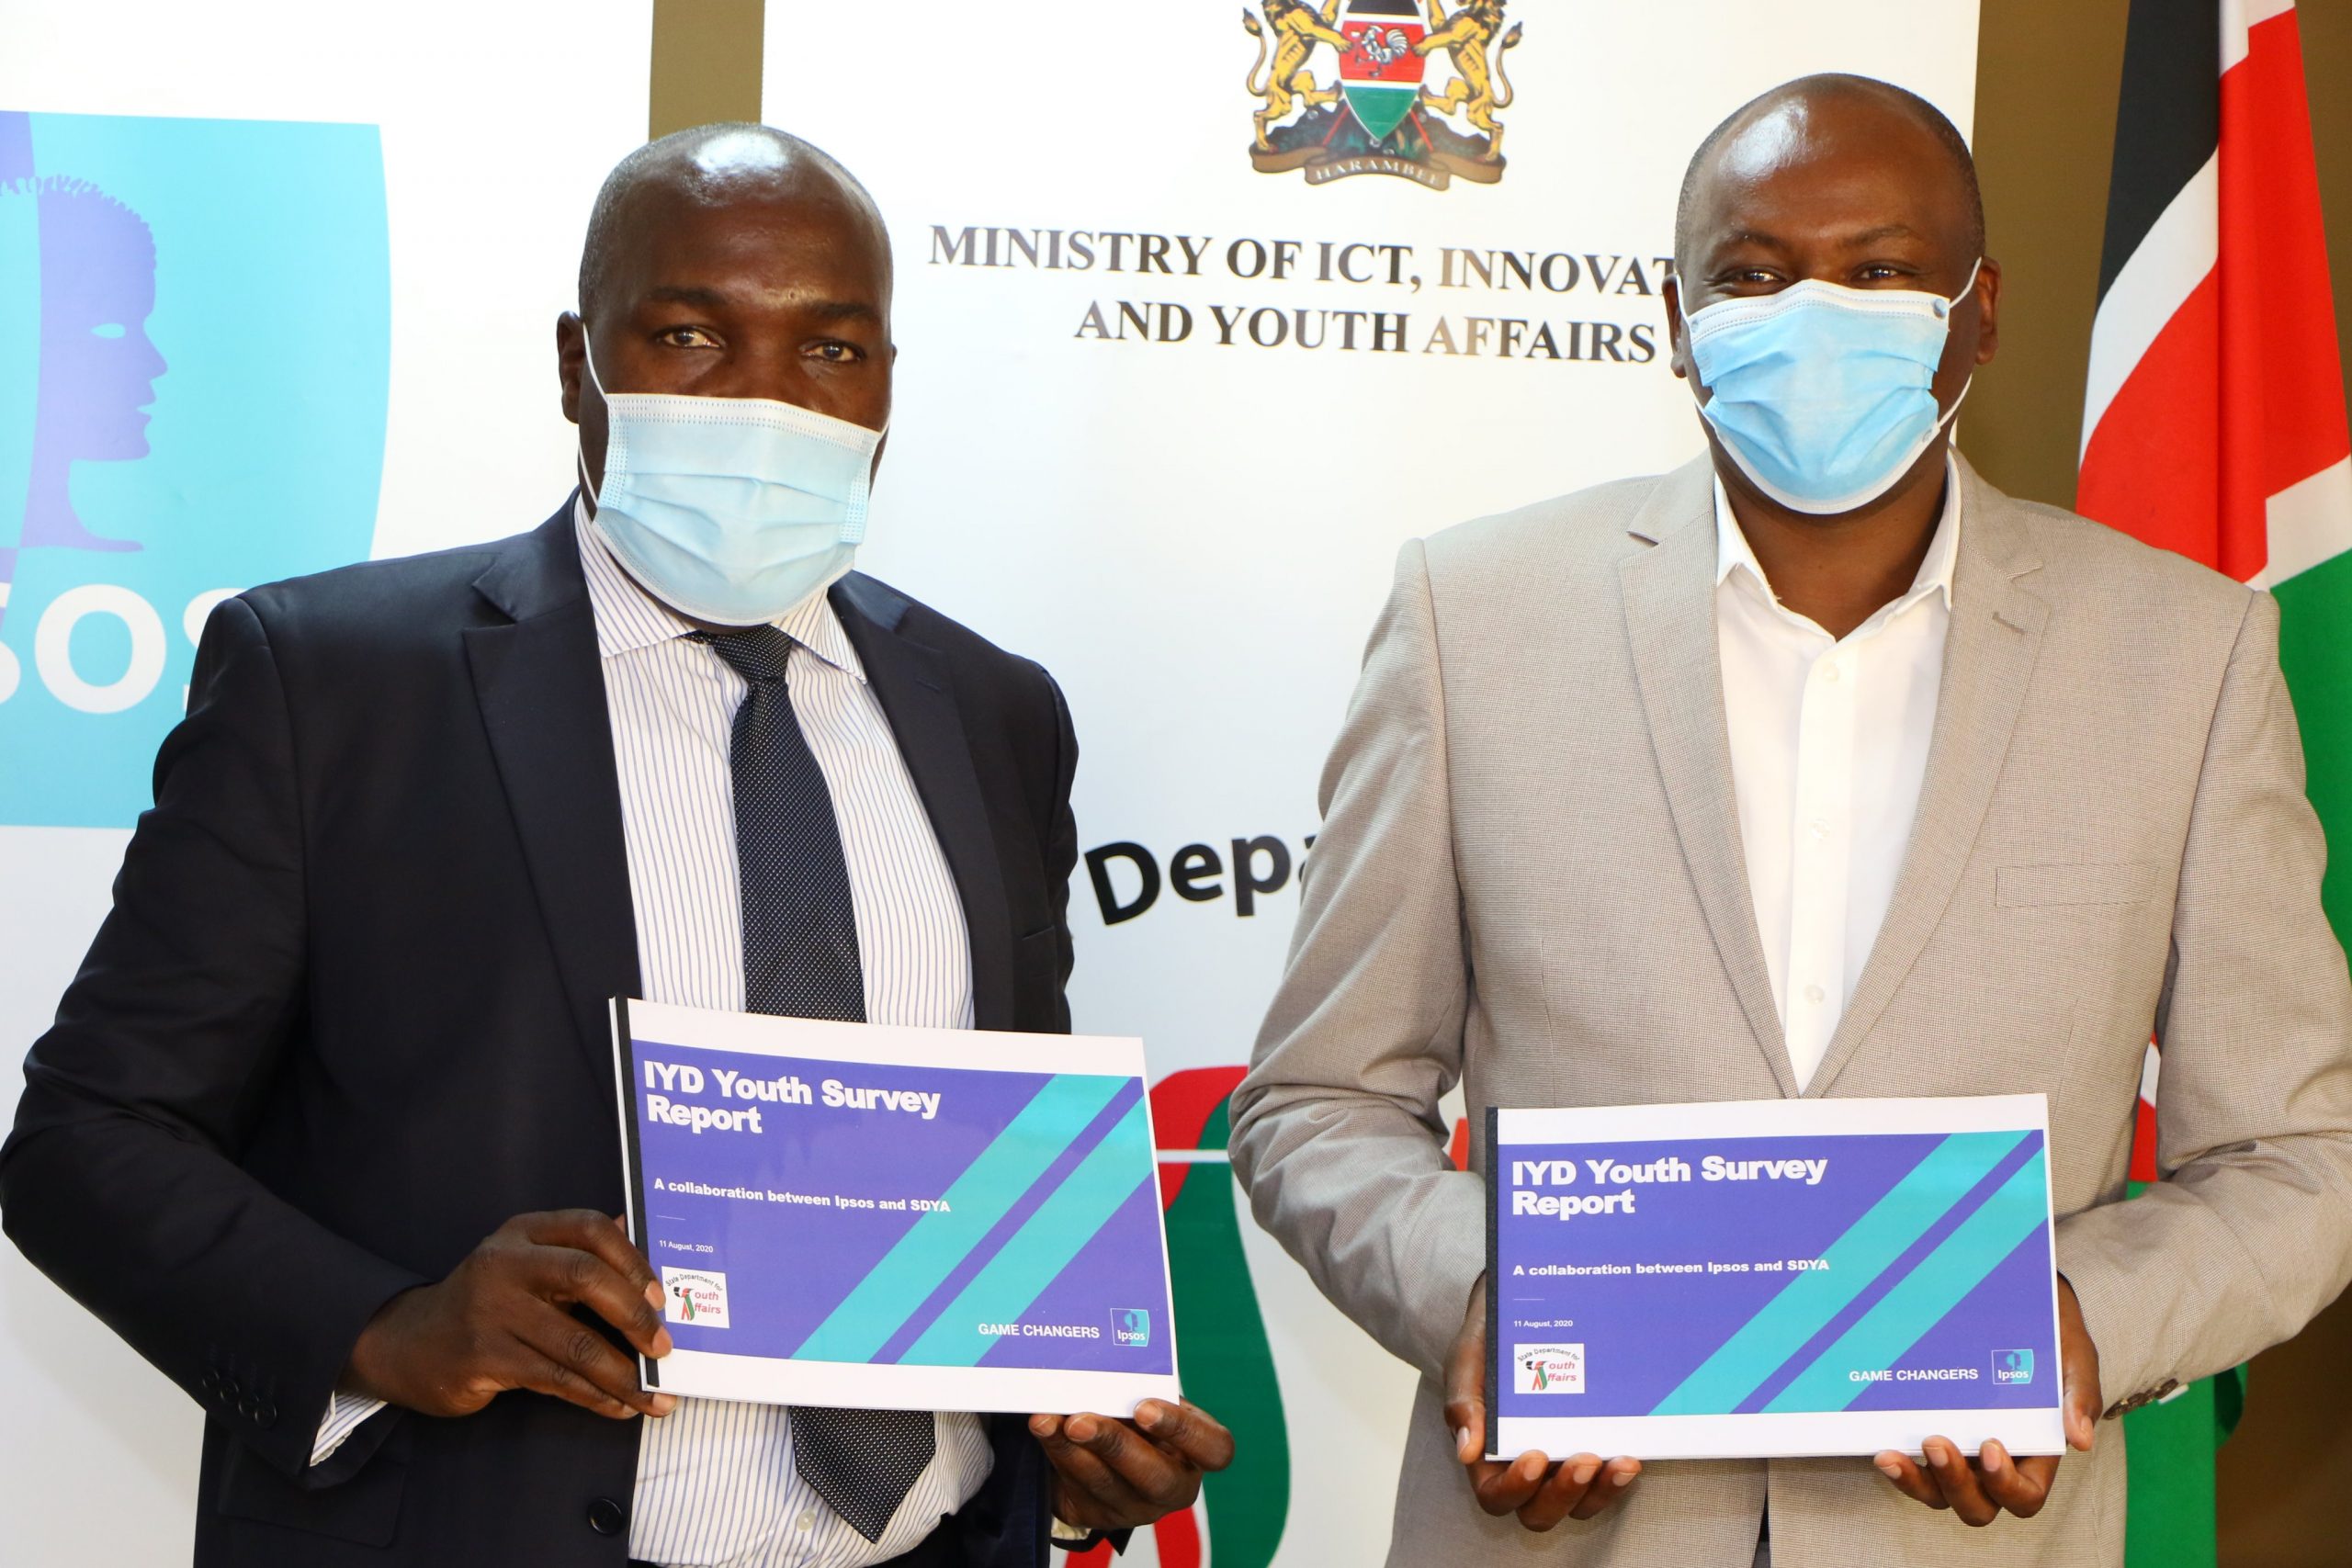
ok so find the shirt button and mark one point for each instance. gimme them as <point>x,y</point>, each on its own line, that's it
<point>807,1521</point>
<point>1814,994</point>
<point>1821,827</point>
<point>1829,672</point>
<point>605,1517</point>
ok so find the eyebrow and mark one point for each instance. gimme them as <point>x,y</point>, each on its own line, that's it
<point>687,294</point>
<point>1884,232</point>
<point>844,310</point>
<point>714,300</point>
<point>1862,241</point>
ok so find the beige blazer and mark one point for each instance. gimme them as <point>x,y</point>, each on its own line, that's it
<point>1530,881</point>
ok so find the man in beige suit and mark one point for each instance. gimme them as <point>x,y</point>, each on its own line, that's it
<point>1815,767</point>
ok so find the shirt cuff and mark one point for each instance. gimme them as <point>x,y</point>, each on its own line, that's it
<point>346,1411</point>
<point>1062,1532</point>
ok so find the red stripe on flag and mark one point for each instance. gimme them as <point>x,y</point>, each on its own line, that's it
<point>1178,1538</point>
<point>2152,467</point>
<point>1181,1104</point>
<point>2283,389</point>
<point>2144,1142</point>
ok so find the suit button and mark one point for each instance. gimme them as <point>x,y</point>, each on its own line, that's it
<point>606,1517</point>
<point>266,1414</point>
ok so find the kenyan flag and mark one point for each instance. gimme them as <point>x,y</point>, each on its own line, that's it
<point>1380,73</point>
<point>2215,425</point>
<point>1229,1366</point>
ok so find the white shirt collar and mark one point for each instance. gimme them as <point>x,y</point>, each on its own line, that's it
<point>628,618</point>
<point>1934,574</point>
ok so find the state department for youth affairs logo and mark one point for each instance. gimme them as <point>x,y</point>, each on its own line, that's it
<point>696,1296</point>
<point>1385,110</point>
<point>1547,1369</point>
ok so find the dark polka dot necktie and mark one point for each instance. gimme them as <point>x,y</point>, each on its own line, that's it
<point>800,959</point>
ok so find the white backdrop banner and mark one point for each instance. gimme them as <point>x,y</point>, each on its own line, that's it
<point>277,290</point>
<point>1200,315</point>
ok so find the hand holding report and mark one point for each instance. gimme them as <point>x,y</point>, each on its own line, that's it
<point>870,1216</point>
<point>1772,1279</point>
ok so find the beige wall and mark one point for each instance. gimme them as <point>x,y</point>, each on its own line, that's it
<point>2046,121</point>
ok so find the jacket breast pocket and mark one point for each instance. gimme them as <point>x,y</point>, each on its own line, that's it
<point>2077,885</point>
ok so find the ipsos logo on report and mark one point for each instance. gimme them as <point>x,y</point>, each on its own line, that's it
<point>2012,1366</point>
<point>1131,1326</point>
<point>195,352</point>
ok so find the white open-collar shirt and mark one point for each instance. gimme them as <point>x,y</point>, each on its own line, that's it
<point>1828,750</point>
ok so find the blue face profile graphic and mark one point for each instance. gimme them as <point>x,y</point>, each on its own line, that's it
<point>1131,1326</point>
<point>2012,1366</point>
<point>195,351</point>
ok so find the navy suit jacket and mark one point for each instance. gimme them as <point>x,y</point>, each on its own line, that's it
<point>348,1016</point>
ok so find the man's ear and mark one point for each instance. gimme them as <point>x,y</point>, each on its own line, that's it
<point>1677,334</point>
<point>570,335</point>
<point>1988,300</point>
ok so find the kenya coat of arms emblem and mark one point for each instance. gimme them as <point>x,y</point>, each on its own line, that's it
<point>1382,115</point>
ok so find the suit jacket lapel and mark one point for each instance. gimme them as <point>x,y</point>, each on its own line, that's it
<point>910,679</point>
<point>1989,652</point>
<point>1670,621</point>
<point>541,689</point>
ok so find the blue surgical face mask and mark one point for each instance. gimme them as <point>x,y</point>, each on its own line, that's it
<point>731,510</point>
<point>1823,395</point>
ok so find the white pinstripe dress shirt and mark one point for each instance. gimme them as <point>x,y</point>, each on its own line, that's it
<point>714,1481</point>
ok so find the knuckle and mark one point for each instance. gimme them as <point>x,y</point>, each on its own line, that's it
<point>580,1347</point>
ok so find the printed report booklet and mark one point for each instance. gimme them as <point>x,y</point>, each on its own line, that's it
<point>1771,1279</point>
<point>922,1219</point>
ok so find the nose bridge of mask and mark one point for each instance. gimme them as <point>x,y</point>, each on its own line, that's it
<point>1884,321</point>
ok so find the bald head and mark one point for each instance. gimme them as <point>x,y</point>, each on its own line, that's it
<point>1823,116</point>
<point>730,261</point>
<point>710,166</point>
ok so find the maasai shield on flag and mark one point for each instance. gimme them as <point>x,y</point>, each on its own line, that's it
<point>2215,425</point>
<point>1379,71</point>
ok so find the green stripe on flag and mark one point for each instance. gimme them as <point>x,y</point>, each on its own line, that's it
<point>985,1193</point>
<point>2315,650</point>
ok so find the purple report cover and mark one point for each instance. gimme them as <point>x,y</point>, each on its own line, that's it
<point>863,1215</point>
<point>1771,1279</point>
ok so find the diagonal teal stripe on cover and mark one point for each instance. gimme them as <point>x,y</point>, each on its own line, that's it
<point>1041,1249</point>
<point>1779,1329</point>
<point>1939,1283</point>
<point>858,1329</point>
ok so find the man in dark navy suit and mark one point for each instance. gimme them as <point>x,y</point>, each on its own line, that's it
<point>348,1016</point>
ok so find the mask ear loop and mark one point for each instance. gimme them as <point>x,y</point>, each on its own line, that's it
<point>1954,303</point>
<point>579,437</point>
<point>1965,290</point>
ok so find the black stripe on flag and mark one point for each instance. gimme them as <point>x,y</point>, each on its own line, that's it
<point>1385,8</point>
<point>2167,122</point>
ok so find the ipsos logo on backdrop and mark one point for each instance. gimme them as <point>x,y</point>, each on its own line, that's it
<point>195,348</point>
